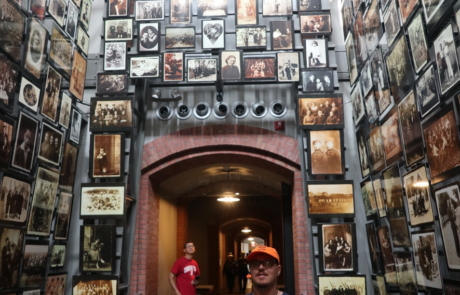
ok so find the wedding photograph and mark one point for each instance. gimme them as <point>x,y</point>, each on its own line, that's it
<point>112,83</point>
<point>118,29</point>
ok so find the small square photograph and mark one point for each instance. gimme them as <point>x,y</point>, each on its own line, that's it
<point>35,50</point>
<point>71,20</point>
<point>144,67</point>
<point>50,101</point>
<point>309,5</point>
<point>149,37</point>
<point>211,8</point>
<point>57,260</point>
<point>259,68</point>
<point>405,272</point>
<point>12,37</point>
<point>201,69</point>
<point>426,90</point>
<point>362,150</point>
<point>82,283</point>
<point>25,143</point>
<point>246,12</point>
<point>317,80</point>
<point>213,34</point>
<point>391,21</point>
<point>77,79</point>
<point>329,198</point>
<point>115,56</point>
<point>356,284</point>
<point>64,114</point>
<point>149,10</point>
<point>418,196</point>
<point>83,40</point>
<point>112,83</point>
<point>351,59</point>
<point>315,23</point>
<point>368,195</point>
<point>107,153</point>
<point>102,201</point>
<point>316,111</point>
<point>427,269</point>
<point>173,66</point>
<point>393,192</point>
<point>326,156</point>
<point>277,7</point>
<point>34,264</point>
<point>57,9</point>
<point>357,103</point>
<point>376,150</point>
<point>180,12</point>
<point>418,42</point>
<point>97,250</point>
<point>390,136</point>
<point>37,7</point>
<point>251,37</point>
<point>6,140</point>
<point>117,8</point>
<point>373,247</point>
<point>120,29</point>
<point>29,94</point>
<point>339,243</point>
<point>13,240</point>
<point>8,82</point>
<point>399,232</point>
<point>230,64</point>
<point>372,26</point>
<point>61,50</point>
<point>372,107</point>
<point>62,223</point>
<point>446,59</point>
<point>179,37</point>
<point>85,15</point>
<point>316,53</point>
<point>111,114</point>
<point>378,191</point>
<point>14,206</point>
<point>386,249</point>
<point>406,8</point>
<point>55,283</point>
<point>75,127</point>
<point>288,66</point>
<point>50,145</point>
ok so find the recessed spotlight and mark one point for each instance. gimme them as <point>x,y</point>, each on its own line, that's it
<point>246,230</point>
<point>237,194</point>
<point>228,199</point>
<point>250,239</point>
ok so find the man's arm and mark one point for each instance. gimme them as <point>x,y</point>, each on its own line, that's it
<point>172,281</point>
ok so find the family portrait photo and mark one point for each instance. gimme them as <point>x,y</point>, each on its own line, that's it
<point>338,242</point>
<point>110,114</point>
<point>316,111</point>
<point>315,23</point>
<point>61,229</point>
<point>104,201</point>
<point>12,27</point>
<point>317,80</point>
<point>112,83</point>
<point>259,68</point>
<point>115,56</point>
<point>50,145</point>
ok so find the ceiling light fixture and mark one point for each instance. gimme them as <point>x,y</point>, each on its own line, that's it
<point>237,194</point>
<point>250,239</point>
<point>228,199</point>
<point>246,230</point>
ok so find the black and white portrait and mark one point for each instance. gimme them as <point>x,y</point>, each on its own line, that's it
<point>316,53</point>
<point>315,23</point>
<point>338,246</point>
<point>399,232</point>
<point>376,151</point>
<point>288,66</point>
<point>149,37</point>
<point>309,5</point>
<point>391,21</point>
<point>62,224</point>
<point>405,272</point>
<point>61,50</point>
<point>251,37</point>
<point>113,115</point>
<point>351,57</point>
<point>360,40</point>
<point>373,247</point>
<point>446,59</point>
<point>390,136</point>
<point>276,7</point>
<point>372,26</point>
<point>12,26</point>
<point>145,67</point>
<point>430,7</point>
<point>6,140</point>
<point>378,191</point>
<point>418,43</point>
<point>112,83</point>
<point>282,35</point>
<point>386,250</point>
<point>426,90</point>
<point>393,192</point>
<point>366,78</point>
<point>55,284</point>
<point>109,285</point>
<point>368,196</point>
<point>180,11</point>
<point>50,101</point>
<point>25,143</point>
<point>183,37</point>
<point>427,269</point>
<point>50,144</point>
<point>213,34</point>
<point>314,80</point>
<point>34,264</point>
<point>107,150</point>
<point>35,55</point>
<point>230,63</point>
<point>372,107</point>
<point>418,196</point>
<point>8,82</point>
<point>75,127</point>
<point>29,94</point>
<point>357,103</point>
<point>64,114</point>
<point>97,246</point>
<point>326,152</point>
<point>362,150</point>
<point>380,81</point>
<point>57,9</point>
<point>14,200</point>
<point>147,10</point>
<point>57,256</point>
<point>71,20</point>
<point>334,199</point>
<point>201,69</point>
<point>118,29</point>
<point>83,40</point>
<point>347,18</point>
<point>69,162</point>
<point>11,242</point>
<point>85,15</point>
<point>210,8</point>
<point>320,110</point>
<point>115,56</point>
<point>102,200</point>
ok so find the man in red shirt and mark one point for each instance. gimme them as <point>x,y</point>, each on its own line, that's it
<point>185,273</point>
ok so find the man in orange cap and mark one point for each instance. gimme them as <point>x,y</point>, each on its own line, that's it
<point>264,267</point>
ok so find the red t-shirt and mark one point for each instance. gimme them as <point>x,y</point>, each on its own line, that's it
<point>185,271</point>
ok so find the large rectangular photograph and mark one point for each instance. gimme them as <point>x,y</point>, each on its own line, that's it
<point>34,264</point>
<point>97,248</point>
<point>427,269</point>
<point>35,50</point>
<point>418,42</point>
<point>57,8</point>
<point>12,37</point>
<point>68,166</point>
<point>259,68</point>
<point>418,196</point>
<point>180,38</point>
<point>180,11</point>
<point>386,250</point>
<point>426,89</point>
<point>6,140</point>
<point>405,272</point>
<point>144,67</point>
<point>62,223</point>
<point>338,253</point>
<point>50,145</point>
<point>11,239</point>
<point>14,201</point>
<point>359,40</point>
<point>25,143</point>
<point>107,154</point>
<point>317,80</point>
<point>111,114</point>
<point>119,29</point>
<point>61,50</point>
<point>282,35</point>
<point>316,53</point>
<point>102,201</point>
<point>77,79</point>
<point>318,111</point>
<point>326,152</point>
<point>50,101</point>
<point>330,198</point>
<point>446,59</point>
<point>147,10</point>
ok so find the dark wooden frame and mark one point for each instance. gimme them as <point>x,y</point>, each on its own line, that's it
<point>305,75</point>
<point>93,155</point>
<point>339,148</point>
<point>249,27</point>
<point>32,140</point>
<point>238,54</point>
<point>336,98</point>
<point>328,186</point>
<point>104,186</point>
<point>93,105</point>
<point>179,29</point>
<point>84,256</point>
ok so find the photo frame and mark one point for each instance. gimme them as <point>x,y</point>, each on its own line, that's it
<point>13,238</point>
<point>386,251</point>
<point>316,53</point>
<point>32,292</point>
<point>351,59</point>
<point>115,56</point>
<point>380,81</point>
<point>347,17</point>
<point>64,211</point>
<point>392,145</point>
<point>202,69</point>
<point>213,34</point>
<point>318,111</point>
<point>118,8</point>
<point>391,21</point>
<point>29,94</point>
<point>426,255</point>
<point>56,282</point>
<point>37,8</point>
<point>326,156</point>
<point>94,200</point>
<point>378,282</point>
<point>376,149</point>
<point>71,20</point>
<point>50,101</point>
<point>380,202</point>
<point>149,37</point>
<point>392,186</point>
<point>83,40</point>
<point>313,5</point>
<point>17,194</point>
<point>230,64</point>
<point>81,283</point>
<point>111,114</point>
<point>418,42</point>
<point>57,9</point>
<point>259,68</point>
<point>77,3</point>
<point>246,12</point>
<point>405,272</point>
<point>112,83</point>
<point>276,8</point>
<point>362,151</point>
<point>353,282</point>
<point>372,107</point>
<point>407,9</point>
<point>69,164</point>
<point>180,37</point>
<point>373,247</point>
<point>330,199</point>
<point>75,127</point>
<point>430,9</point>
<point>6,140</point>
<point>118,29</point>
<point>11,77</point>
<point>57,261</point>
<point>97,248</point>
<point>211,8</point>
<point>426,90</point>
<point>359,41</point>
<point>61,51</point>
<point>173,66</point>
<point>107,154</point>
<point>35,49</point>
<point>282,37</point>
<point>13,37</point>
<point>368,195</point>
<point>372,26</point>
<point>25,143</point>
<point>148,10</point>
<point>251,37</point>
<point>338,252</point>
<point>144,67</point>
<point>357,103</point>
<point>33,274</point>
<point>64,114</point>
<point>180,12</point>
<point>317,80</point>
<point>85,15</point>
<point>77,79</point>
<point>315,23</point>
<point>399,232</point>
<point>366,78</point>
<point>288,66</point>
<point>50,148</point>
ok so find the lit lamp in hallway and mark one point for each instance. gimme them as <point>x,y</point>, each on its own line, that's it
<point>228,199</point>
<point>246,230</point>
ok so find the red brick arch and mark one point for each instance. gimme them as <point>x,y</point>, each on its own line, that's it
<point>204,145</point>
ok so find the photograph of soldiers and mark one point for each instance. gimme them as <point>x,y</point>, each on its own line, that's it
<point>149,10</point>
<point>50,145</point>
<point>180,11</point>
<point>11,242</point>
<point>387,254</point>
<point>110,114</point>
<point>12,26</point>
<point>405,272</point>
<point>368,195</point>
<point>9,74</point>
<point>446,59</point>
<point>366,78</point>
<point>6,138</point>
<point>107,154</point>
<point>276,7</point>
<point>57,8</point>
<point>341,285</point>
<point>347,18</point>
<point>325,152</point>
<point>34,264</point>
<point>373,247</point>
<point>426,90</point>
<point>208,8</point>
<point>288,66</point>
<point>61,50</point>
<point>246,12</point>
<point>316,53</point>
<point>400,69</point>
<point>50,99</point>
<point>337,199</point>
<point>380,81</point>
<point>390,136</point>
<point>173,66</point>
<point>378,191</point>
<point>251,37</point>
<point>362,150</point>
<point>115,56</point>
<point>371,107</point>
<point>399,232</point>
<point>14,200</point>
<point>55,284</point>
<point>64,114</point>
<point>411,129</point>
<point>418,43</point>
<point>63,217</point>
<point>391,21</point>
<point>58,256</point>
<point>144,67</point>
<point>321,111</point>
<point>24,147</point>
<point>426,261</point>
<point>372,26</point>
<point>418,196</point>
<point>315,23</point>
<point>180,37</point>
<point>259,68</point>
<point>359,40</point>
<point>376,151</point>
<point>351,58</point>
<point>107,287</point>
<point>337,241</point>
<point>393,192</point>
<point>203,69</point>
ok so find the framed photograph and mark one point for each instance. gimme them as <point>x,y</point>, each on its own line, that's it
<point>57,261</point>
<point>330,199</point>
<point>405,272</point>
<point>353,283</point>
<point>418,42</point>
<point>34,264</point>
<point>32,292</point>
<point>75,127</point>
<point>69,164</point>
<point>112,83</point>
<point>57,9</point>
<point>446,59</point>
<point>180,37</point>
<point>61,230</point>
<point>276,7</point>
<point>180,12</point>
<point>368,195</point>
<point>317,80</point>
<point>111,114</point>
<point>451,287</point>
<point>212,8</point>
<point>117,8</point>
<point>373,247</point>
<point>77,79</point>
<point>390,136</point>
<point>97,248</point>
<point>378,282</point>
<point>102,201</point>
<point>418,196</point>
<point>11,80</point>
<point>326,152</point>
<point>11,238</point>
<point>386,251</point>
<point>362,150</point>
<point>61,50</point>
<point>144,67</point>
<point>55,283</point>
<point>230,64</point>
<point>318,111</point>
<point>149,37</point>
<point>391,21</point>
<point>37,7</point>
<point>427,270</point>
<point>35,49</point>
<point>85,14</point>
<point>173,66</point>
<point>16,194</point>
<point>213,34</point>
<point>82,283</point>
<point>71,20</point>
<point>29,94</point>
<point>118,29</point>
<point>202,69</point>
<point>77,3</point>
<point>351,58</point>
<point>251,37</point>
<point>83,40</point>
<point>357,103</point>
<point>338,253</point>
<point>315,23</point>
<point>107,152</point>
<point>399,232</point>
<point>442,144</point>
<point>13,37</point>
<point>288,66</point>
<point>392,186</point>
<point>372,108</point>
<point>6,140</point>
<point>41,212</point>
<point>316,53</point>
<point>246,12</point>
<point>359,39</point>
<point>347,18</point>
<point>400,69</point>
<point>64,114</point>
<point>114,56</point>
<point>378,191</point>
<point>380,81</point>
<point>426,90</point>
<point>376,149</point>
<point>147,10</point>
<point>50,144</point>
<point>430,8</point>
<point>282,35</point>
<point>259,68</point>
<point>448,203</point>
<point>50,101</point>
<point>366,78</point>
<point>407,8</point>
<point>372,26</point>
<point>25,143</point>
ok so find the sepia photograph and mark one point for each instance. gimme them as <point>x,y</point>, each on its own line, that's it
<point>102,201</point>
<point>315,23</point>
<point>259,68</point>
<point>180,37</point>
<point>83,40</point>
<point>376,149</point>
<point>149,37</point>
<point>426,261</point>
<point>390,136</point>
<point>211,8</point>
<point>251,37</point>
<point>446,59</point>
<point>173,66</point>
<point>68,166</point>
<point>407,7</point>
<point>230,64</point>
<point>366,78</point>
<point>25,143</point>
<point>50,101</point>
<point>399,232</point>
<point>418,196</point>
<point>330,198</point>
<point>418,42</point>
<point>12,27</point>
<point>64,114</point>
<point>11,242</point>
<point>34,264</point>
<point>14,200</point>
<point>372,108</point>
<point>326,152</point>
<point>57,9</point>
<point>107,152</point>
<point>359,40</point>
<point>6,139</point>
<point>61,50</point>
<point>391,21</point>
<point>38,7</point>
<point>35,48</point>
<point>442,144</point>
<point>448,204</point>
<point>282,35</point>
<point>112,83</point>
<point>426,89</point>
<point>180,12</point>
<point>111,114</point>
<point>372,26</point>
<point>378,284</point>
<point>332,284</point>
<point>71,20</point>
<point>118,29</point>
<point>392,186</point>
<point>368,195</point>
<point>97,248</point>
<point>147,10</point>
<point>430,7</point>
<point>50,144</point>
<point>386,252</point>
<point>317,80</point>
<point>29,94</point>
<point>91,283</point>
<point>411,130</point>
<point>351,58</point>
<point>362,150</point>
<point>316,53</point>
<point>62,222</point>
<point>246,12</point>
<point>380,81</point>
<point>276,8</point>
<point>8,82</point>
<point>57,260</point>
<point>347,18</point>
<point>380,202</point>
<point>75,127</point>
<point>114,56</point>
<point>202,69</point>
<point>213,34</point>
<point>357,103</point>
<point>373,247</point>
<point>41,212</point>
<point>318,111</point>
<point>118,8</point>
<point>55,283</point>
<point>405,272</point>
<point>144,67</point>
<point>339,247</point>
<point>85,15</point>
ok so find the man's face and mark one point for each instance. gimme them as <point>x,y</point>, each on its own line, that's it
<point>312,78</point>
<point>264,276</point>
<point>189,248</point>
<point>27,137</point>
<point>47,137</point>
<point>317,145</point>
<point>329,145</point>
<point>51,139</point>
<point>56,142</point>
<point>326,78</point>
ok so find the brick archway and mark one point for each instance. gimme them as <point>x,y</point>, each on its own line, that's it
<point>207,144</point>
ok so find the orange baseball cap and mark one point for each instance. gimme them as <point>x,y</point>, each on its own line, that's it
<point>265,250</point>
